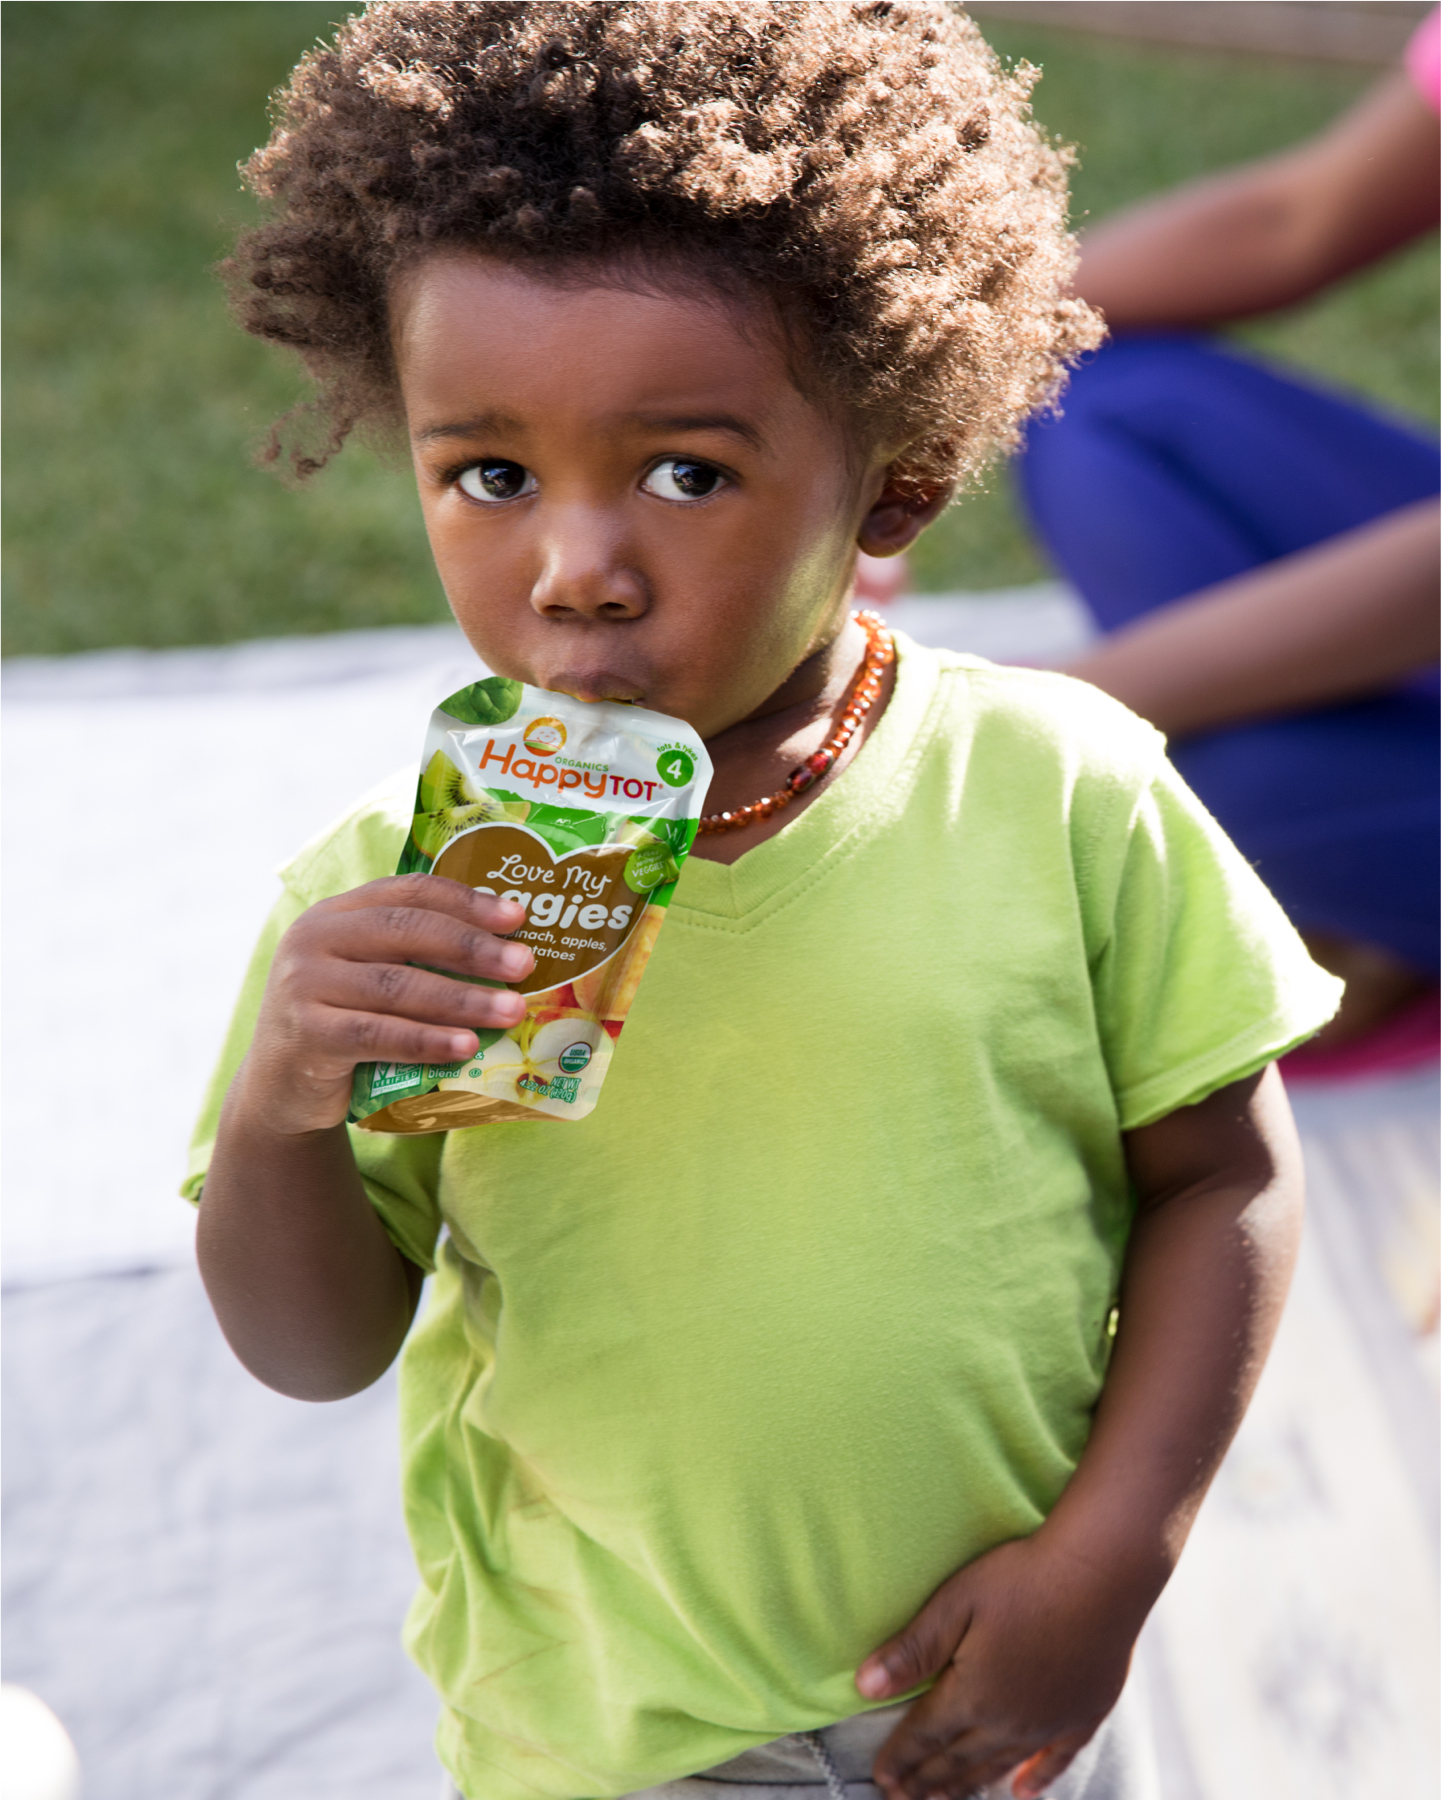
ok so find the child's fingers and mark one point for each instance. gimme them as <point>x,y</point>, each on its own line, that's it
<point>348,987</point>
<point>342,992</point>
<point>927,1642</point>
<point>413,935</point>
<point>358,1038</point>
<point>961,1764</point>
<point>300,1071</point>
<point>932,1725</point>
<point>436,894</point>
<point>978,1757</point>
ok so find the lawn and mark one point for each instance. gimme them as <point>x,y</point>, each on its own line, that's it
<point>135,515</point>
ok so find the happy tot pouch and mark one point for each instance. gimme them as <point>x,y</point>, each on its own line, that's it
<point>583,813</point>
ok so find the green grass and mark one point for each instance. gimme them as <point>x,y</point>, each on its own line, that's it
<point>134,513</point>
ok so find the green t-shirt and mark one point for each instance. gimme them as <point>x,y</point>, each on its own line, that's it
<point>716,1386</point>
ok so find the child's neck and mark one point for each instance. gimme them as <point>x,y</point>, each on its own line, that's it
<point>754,757</point>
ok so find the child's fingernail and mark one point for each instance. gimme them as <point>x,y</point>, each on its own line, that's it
<point>872,1680</point>
<point>463,1045</point>
<point>515,960</point>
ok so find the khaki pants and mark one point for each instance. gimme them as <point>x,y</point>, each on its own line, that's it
<point>1118,1765</point>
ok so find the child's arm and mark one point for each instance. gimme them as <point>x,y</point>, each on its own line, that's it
<point>1030,1644</point>
<point>309,1290</point>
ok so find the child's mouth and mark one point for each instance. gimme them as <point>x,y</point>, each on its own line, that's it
<point>602,685</point>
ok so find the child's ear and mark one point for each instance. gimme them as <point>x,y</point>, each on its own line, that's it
<point>899,515</point>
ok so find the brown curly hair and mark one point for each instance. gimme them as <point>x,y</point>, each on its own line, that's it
<point>865,165</point>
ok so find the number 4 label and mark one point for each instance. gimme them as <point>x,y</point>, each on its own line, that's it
<point>675,767</point>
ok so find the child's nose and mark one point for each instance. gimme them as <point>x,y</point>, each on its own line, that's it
<point>585,571</point>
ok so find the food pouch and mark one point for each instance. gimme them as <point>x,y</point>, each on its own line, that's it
<point>584,813</point>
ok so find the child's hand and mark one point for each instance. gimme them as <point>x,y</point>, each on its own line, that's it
<point>1029,1650</point>
<point>1029,1644</point>
<point>344,990</point>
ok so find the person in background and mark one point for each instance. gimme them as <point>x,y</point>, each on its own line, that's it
<point>1261,555</point>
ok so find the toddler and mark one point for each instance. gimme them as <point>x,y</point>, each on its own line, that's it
<point>824,1413</point>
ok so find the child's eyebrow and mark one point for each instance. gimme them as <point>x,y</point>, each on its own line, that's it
<point>487,424</point>
<point>477,427</point>
<point>700,422</point>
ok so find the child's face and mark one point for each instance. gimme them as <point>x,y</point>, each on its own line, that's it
<point>626,495</point>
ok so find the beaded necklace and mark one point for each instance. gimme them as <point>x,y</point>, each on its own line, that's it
<point>862,697</point>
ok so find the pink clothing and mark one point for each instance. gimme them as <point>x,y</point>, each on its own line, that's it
<point>1423,59</point>
<point>1403,1041</point>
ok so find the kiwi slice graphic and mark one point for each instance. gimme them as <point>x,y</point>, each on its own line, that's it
<point>448,803</point>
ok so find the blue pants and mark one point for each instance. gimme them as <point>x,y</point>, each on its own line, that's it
<point>1175,465</point>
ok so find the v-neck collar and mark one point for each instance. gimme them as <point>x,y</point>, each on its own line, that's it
<point>866,792</point>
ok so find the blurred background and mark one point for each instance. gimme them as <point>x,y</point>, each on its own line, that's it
<point>134,514</point>
<point>202,1579</point>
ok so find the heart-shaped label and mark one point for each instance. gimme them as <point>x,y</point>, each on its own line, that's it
<point>580,909</point>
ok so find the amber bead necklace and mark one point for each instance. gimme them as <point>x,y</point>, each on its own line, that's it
<point>862,697</point>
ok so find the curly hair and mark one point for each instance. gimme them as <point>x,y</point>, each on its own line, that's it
<point>866,166</point>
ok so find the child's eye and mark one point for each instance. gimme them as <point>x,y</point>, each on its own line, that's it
<point>498,480</point>
<point>683,479</point>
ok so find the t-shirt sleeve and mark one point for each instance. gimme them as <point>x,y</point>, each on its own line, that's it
<point>1200,979</point>
<point>238,1035</point>
<point>400,1174</point>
